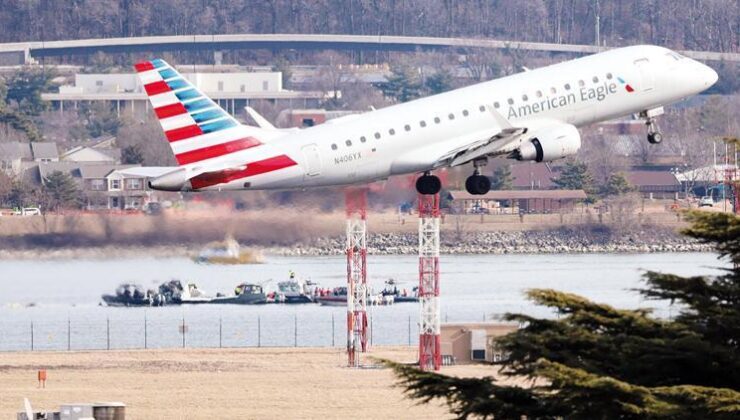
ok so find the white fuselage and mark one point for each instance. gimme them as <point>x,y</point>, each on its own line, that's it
<point>411,137</point>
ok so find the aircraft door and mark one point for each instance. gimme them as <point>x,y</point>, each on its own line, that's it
<point>646,74</point>
<point>313,160</point>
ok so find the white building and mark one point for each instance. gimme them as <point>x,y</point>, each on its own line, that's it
<point>233,91</point>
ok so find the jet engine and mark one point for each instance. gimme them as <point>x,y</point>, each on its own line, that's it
<point>550,143</point>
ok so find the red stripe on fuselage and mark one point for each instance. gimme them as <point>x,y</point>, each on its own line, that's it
<point>170,110</point>
<point>254,168</point>
<point>156,88</point>
<point>144,66</point>
<point>216,150</point>
<point>183,133</point>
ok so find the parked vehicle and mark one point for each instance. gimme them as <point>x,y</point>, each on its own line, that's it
<point>27,211</point>
<point>706,201</point>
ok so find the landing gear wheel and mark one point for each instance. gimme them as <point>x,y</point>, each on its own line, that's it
<point>655,138</point>
<point>478,185</point>
<point>428,185</point>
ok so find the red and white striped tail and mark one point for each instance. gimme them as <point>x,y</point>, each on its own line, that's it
<point>197,128</point>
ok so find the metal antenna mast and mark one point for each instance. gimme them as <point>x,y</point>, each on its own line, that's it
<point>430,354</point>
<point>357,322</point>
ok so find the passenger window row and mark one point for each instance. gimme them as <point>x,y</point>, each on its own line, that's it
<point>481,108</point>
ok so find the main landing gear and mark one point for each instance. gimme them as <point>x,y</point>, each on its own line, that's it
<point>478,184</point>
<point>654,136</point>
<point>428,184</point>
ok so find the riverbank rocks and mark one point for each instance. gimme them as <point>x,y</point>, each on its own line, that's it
<point>525,242</point>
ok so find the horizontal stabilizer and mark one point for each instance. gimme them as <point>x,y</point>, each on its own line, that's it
<point>147,171</point>
<point>259,119</point>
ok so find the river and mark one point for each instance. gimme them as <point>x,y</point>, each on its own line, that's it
<point>54,304</point>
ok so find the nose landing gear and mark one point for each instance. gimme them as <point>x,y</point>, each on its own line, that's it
<point>654,136</point>
<point>428,184</point>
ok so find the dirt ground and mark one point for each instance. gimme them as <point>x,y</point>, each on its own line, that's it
<point>214,383</point>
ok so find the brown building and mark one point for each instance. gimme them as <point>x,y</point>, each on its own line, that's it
<point>473,342</point>
<point>654,184</point>
<point>514,202</point>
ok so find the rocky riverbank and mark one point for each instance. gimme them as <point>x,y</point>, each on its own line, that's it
<point>525,242</point>
<point>564,240</point>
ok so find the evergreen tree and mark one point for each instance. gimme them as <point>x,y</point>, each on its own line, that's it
<point>131,155</point>
<point>616,184</point>
<point>15,119</point>
<point>598,362</point>
<point>100,119</point>
<point>403,85</point>
<point>574,176</point>
<point>502,179</point>
<point>60,191</point>
<point>25,88</point>
<point>439,82</point>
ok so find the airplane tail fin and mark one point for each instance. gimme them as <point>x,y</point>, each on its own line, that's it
<point>196,127</point>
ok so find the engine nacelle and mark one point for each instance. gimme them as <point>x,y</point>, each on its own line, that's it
<point>173,181</point>
<point>550,143</point>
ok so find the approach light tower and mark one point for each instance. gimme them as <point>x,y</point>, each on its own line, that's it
<point>356,207</point>
<point>430,353</point>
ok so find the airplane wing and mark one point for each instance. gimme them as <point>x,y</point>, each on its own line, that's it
<point>491,142</point>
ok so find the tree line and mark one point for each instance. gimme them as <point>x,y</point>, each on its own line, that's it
<point>683,24</point>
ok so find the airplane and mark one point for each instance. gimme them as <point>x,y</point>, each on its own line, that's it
<point>529,116</point>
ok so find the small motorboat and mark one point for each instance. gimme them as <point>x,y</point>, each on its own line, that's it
<point>337,297</point>
<point>294,290</point>
<point>244,294</point>
<point>130,294</point>
<point>400,295</point>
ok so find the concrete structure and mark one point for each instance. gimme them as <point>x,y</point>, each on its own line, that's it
<point>23,52</point>
<point>232,91</point>
<point>515,202</point>
<point>473,342</point>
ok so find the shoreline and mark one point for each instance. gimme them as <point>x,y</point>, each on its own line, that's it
<point>337,249</point>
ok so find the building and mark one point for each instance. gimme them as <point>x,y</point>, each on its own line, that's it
<point>17,157</point>
<point>473,342</point>
<point>102,186</point>
<point>655,184</point>
<point>515,202</point>
<point>233,91</point>
<point>303,118</point>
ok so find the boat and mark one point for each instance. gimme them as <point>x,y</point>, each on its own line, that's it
<point>294,290</point>
<point>244,294</point>
<point>193,295</point>
<point>130,294</point>
<point>400,296</point>
<point>337,297</point>
<point>228,252</point>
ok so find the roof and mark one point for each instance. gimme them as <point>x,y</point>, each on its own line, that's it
<point>15,150</point>
<point>87,154</point>
<point>521,195</point>
<point>526,175</point>
<point>643,178</point>
<point>46,168</point>
<point>44,150</point>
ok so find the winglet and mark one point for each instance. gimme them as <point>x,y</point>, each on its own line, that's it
<point>259,119</point>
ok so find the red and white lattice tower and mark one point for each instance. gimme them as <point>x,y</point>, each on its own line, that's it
<point>430,354</point>
<point>356,205</point>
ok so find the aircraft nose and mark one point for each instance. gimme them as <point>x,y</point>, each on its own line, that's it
<point>708,75</point>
